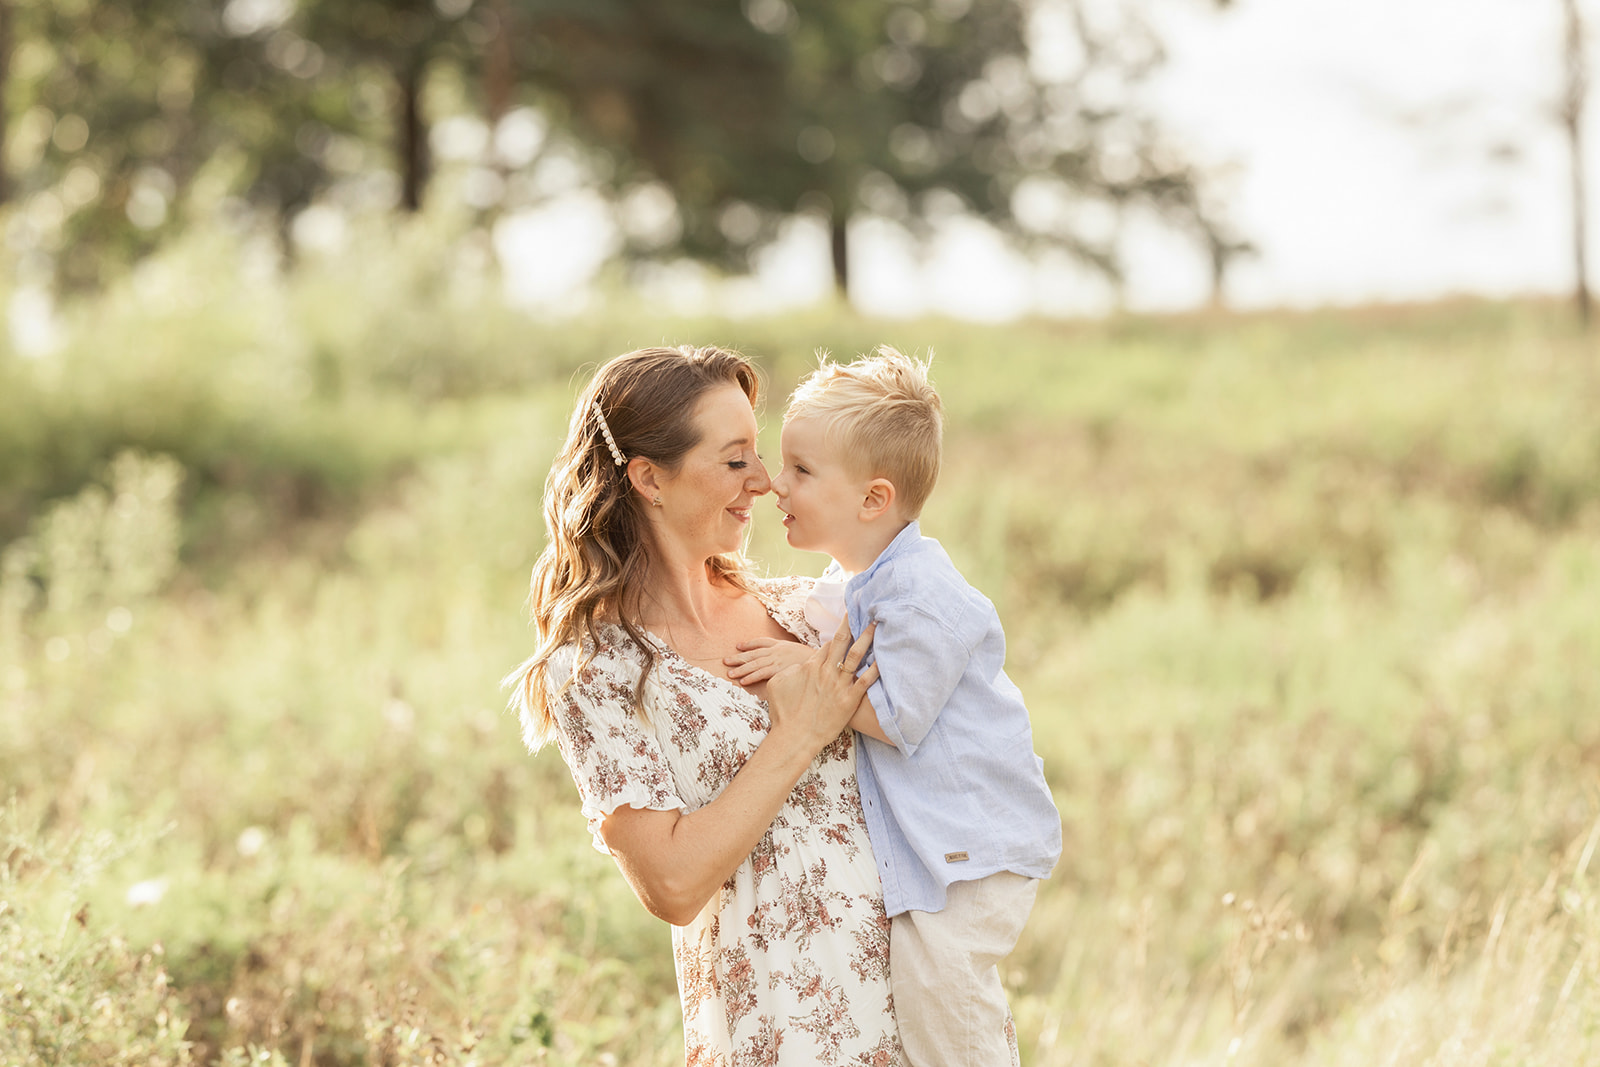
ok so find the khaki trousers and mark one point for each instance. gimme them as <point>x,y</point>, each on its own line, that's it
<point>945,976</point>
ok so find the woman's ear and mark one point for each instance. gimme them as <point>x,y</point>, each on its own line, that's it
<point>878,501</point>
<point>645,478</point>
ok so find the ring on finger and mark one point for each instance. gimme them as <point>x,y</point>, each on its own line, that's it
<point>841,666</point>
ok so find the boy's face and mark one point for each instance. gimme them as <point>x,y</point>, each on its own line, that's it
<point>819,493</point>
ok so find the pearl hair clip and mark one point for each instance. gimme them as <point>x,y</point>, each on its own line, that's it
<point>611,442</point>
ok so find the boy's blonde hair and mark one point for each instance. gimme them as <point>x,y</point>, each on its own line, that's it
<point>883,414</point>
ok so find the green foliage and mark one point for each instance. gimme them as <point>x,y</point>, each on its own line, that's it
<point>1303,607</point>
<point>75,991</point>
<point>127,122</point>
<point>91,92</point>
<point>914,112</point>
<point>283,397</point>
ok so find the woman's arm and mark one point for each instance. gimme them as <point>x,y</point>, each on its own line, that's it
<point>676,861</point>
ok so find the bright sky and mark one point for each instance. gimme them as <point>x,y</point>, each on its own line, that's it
<point>1372,149</point>
<point>1365,134</point>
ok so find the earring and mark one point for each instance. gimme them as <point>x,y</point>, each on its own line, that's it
<point>656,503</point>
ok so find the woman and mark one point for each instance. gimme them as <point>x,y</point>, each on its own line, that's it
<point>732,812</point>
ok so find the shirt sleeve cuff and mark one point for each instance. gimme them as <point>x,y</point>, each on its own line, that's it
<point>886,722</point>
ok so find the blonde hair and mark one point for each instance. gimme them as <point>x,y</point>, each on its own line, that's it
<point>596,563</point>
<point>882,411</point>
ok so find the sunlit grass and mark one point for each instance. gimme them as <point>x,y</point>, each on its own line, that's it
<point>1303,606</point>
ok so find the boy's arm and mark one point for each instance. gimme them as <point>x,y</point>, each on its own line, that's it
<point>865,721</point>
<point>922,663</point>
<point>761,658</point>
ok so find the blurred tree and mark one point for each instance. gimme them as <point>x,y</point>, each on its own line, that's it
<point>1574,96</point>
<point>397,39</point>
<point>499,60</point>
<point>1021,114</point>
<point>684,93</point>
<point>123,115</point>
<point>6,43</point>
<point>281,118</point>
<point>97,132</point>
<point>124,118</point>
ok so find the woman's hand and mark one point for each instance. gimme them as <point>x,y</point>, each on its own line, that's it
<point>676,861</point>
<point>760,659</point>
<point>811,702</point>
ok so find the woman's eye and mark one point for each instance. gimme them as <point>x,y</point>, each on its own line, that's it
<point>738,464</point>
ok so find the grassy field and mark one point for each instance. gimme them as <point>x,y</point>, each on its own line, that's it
<point>1306,608</point>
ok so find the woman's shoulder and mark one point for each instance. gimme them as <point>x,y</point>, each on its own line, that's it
<point>607,651</point>
<point>785,600</point>
<point>784,587</point>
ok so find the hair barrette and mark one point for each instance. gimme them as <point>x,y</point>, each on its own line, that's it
<point>611,442</point>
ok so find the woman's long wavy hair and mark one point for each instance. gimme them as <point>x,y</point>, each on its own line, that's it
<point>596,563</point>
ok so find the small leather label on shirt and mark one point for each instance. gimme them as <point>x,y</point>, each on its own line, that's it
<point>955,857</point>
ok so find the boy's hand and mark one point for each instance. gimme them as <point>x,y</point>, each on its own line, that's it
<point>763,657</point>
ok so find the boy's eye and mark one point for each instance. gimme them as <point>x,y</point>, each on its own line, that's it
<point>800,470</point>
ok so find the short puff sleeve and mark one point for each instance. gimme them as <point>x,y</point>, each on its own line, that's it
<point>785,600</point>
<point>615,758</point>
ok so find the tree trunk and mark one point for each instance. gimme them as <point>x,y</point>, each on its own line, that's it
<point>411,136</point>
<point>499,64</point>
<point>288,254</point>
<point>499,90</point>
<point>839,235</point>
<point>1221,254</point>
<point>5,85</point>
<point>1572,118</point>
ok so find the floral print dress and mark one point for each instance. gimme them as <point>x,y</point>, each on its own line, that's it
<point>789,963</point>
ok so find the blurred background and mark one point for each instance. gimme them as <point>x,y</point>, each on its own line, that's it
<point>987,160</point>
<point>1263,331</point>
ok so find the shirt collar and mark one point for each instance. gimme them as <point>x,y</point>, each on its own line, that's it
<point>902,543</point>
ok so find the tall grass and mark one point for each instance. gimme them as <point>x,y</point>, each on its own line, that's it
<point>1303,605</point>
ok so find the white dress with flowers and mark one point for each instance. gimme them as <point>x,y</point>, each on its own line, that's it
<point>789,963</point>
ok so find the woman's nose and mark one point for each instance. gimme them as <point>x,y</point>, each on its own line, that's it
<point>759,481</point>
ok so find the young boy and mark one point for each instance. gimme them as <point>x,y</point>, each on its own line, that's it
<point>960,817</point>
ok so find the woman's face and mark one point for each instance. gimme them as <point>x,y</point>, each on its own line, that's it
<point>705,504</point>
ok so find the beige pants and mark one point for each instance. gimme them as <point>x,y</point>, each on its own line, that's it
<point>944,973</point>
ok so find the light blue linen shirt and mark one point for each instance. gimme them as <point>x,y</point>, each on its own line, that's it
<point>960,794</point>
